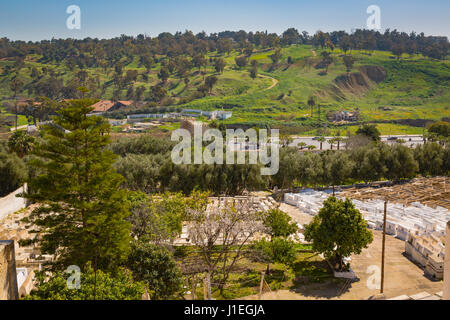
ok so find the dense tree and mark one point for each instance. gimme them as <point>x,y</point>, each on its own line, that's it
<point>348,61</point>
<point>398,50</point>
<point>369,163</point>
<point>144,144</point>
<point>279,224</point>
<point>440,129</point>
<point>163,75</point>
<point>241,61</point>
<point>139,93</point>
<point>310,169</point>
<point>254,72</point>
<point>157,93</point>
<point>320,39</point>
<point>83,216</point>
<point>118,51</point>
<point>327,60</point>
<point>199,61</point>
<point>288,168</point>
<point>141,171</point>
<point>278,250</point>
<point>155,266</point>
<point>16,86</point>
<point>337,168</point>
<point>345,44</point>
<point>401,163</point>
<point>13,173</point>
<point>338,230</point>
<point>210,82</point>
<point>93,286</point>
<point>219,65</point>
<point>370,131</point>
<point>431,159</point>
<point>159,218</point>
<point>147,61</point>
<point>21,143</point>
<point>311,103</point>
<point>290,36</point>
<point>276,56</point>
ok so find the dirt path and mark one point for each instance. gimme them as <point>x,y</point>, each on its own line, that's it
<point>274,81</point>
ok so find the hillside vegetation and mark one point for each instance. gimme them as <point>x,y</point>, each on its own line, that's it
<point>272,86</point>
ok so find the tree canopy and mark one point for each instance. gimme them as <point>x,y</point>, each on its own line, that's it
<point>338,230</point>
<point>83,213</point>
<point>92,286</point>
<point>155,266</point>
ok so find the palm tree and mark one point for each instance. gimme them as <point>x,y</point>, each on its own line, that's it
<point>21,143</point>
<point>331,142</point>
<point>312,103</point>
<point>311,147</point>
<point>302,145</point>
<point>338,139</point>
<point>286,140</point>
<point>321,140</point>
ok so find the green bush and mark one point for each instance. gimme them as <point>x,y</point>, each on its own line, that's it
<point>13,173</point>
<point>103,287</point>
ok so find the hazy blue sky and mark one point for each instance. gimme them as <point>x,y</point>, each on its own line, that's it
<point>44,19</point>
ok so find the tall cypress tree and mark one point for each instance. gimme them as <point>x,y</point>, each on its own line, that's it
<point>83,211</point>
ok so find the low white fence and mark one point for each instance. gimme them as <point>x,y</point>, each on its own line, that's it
<point>11,203</point>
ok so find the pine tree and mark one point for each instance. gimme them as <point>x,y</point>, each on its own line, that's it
<point>82,216</point>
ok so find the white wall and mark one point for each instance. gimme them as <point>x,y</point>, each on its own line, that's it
<point>11,203</point>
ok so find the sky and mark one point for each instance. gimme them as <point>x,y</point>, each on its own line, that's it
<point>45,19</point>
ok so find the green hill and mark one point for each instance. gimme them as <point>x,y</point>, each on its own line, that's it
<point>384,89</point>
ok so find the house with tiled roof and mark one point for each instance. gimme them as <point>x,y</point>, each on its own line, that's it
<point>109,106</point>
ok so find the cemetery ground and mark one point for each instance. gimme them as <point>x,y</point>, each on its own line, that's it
<point>310,277</point>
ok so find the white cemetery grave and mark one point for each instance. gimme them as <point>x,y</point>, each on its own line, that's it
<point>401,220</point>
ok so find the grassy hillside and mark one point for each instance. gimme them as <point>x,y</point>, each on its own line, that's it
<point>415,88</point>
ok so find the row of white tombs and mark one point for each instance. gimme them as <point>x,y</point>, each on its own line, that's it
<point>417,224</point>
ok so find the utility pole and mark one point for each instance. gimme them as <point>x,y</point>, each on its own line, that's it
<point>383,247</point>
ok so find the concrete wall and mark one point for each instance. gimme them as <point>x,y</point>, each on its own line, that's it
<point>415,255</point>
<point>446,291</point>
<point>8,276</point>
<point>11,203</point>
